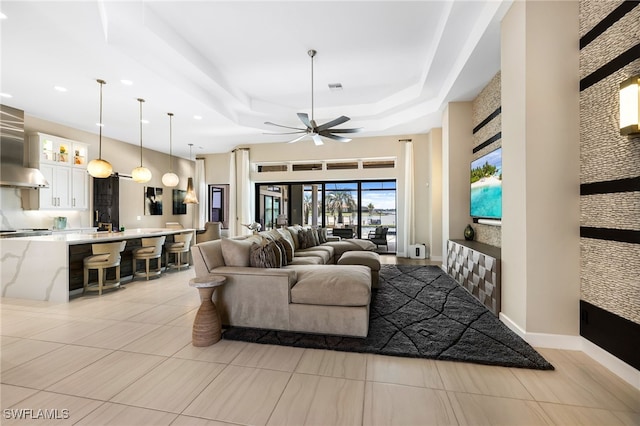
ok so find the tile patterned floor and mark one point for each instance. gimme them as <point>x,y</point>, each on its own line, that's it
<point>126,359</point>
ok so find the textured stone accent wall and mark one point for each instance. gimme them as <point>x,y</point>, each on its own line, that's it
<point>487,101</point>
<point>477,272</point>
<point>609,268</point>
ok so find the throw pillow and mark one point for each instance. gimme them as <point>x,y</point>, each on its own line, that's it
<point>316,237</point>
<point>288,249</point>
<point>236,252</point>
<point>322,235</point>
<point>263,255</point>
<point>283,252</point>
<point>303,241</point>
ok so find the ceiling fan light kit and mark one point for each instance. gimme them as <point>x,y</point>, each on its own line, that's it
<point>311,128</point>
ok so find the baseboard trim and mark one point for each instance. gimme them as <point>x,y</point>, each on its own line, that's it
<point>577,343</point>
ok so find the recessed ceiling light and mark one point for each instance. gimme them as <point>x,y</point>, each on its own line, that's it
<point>5,95</point>
<point>144,121</point>
<point>3,16</point>
<point>60,88</point>
<point>334,87</point>
<point>126,82</point>
<point>197,117</point>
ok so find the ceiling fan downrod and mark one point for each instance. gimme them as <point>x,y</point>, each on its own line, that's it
<point>312,53</point>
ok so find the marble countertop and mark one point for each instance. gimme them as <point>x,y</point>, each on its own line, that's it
<point>96,237</point>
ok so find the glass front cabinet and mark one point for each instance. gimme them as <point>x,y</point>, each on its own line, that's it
<point>64,164</point>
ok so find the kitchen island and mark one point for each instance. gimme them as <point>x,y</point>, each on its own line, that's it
<point>49,267</point>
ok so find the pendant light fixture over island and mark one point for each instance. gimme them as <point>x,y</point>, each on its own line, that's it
<point>100,168</point>
<point>170,179</point>
<point>191,197</point>
<point>141,174</point>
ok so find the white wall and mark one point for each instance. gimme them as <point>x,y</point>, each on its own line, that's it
<point>457,131</point>
<point>434,191</point>
<point>540,116</point>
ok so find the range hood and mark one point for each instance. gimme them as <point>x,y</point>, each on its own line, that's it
<point>13,173</point>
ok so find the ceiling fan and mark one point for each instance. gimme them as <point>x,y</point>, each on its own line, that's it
<point>311,128</point>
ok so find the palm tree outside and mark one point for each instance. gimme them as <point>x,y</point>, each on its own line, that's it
<point>339,202</point>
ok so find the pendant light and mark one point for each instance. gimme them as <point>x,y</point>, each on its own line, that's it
<point>100,168</point>
<point>190,198</point>
<point>141,174</point>
<point>170,179</point>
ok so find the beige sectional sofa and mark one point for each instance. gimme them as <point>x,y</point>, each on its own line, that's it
<point>311,294</point>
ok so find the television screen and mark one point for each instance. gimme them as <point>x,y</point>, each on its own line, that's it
<point>486,186</point>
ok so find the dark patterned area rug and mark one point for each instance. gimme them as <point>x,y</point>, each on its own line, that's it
<point>420,312</point>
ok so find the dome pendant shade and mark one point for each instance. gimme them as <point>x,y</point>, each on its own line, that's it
<point>190,198</point>
<point>141,174</point>
<point>100,168</point>
<point>170,179</point>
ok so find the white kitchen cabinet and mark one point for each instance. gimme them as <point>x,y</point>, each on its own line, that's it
<point>80,188</point>
<point>63,163</point>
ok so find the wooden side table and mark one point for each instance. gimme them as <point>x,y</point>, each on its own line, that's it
<point>207,328</point>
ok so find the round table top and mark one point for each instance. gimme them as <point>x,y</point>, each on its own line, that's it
<point>207,281</point>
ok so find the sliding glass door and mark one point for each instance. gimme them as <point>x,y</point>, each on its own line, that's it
<point>349,209</point>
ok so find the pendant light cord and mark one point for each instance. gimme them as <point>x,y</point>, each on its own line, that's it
<point>141,101</point>
<point>170,114</point>
<point>101,82</point>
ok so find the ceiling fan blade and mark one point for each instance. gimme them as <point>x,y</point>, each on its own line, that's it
<point>305,119</point>
<point>297,139</point>
<point>326,134</point>
<point>285,133</point>
<point>337,121</point>
<point>286,127</point>
<point>317,139</point>
<point>356,130</point>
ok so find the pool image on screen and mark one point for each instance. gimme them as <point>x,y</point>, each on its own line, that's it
<point>486,186</point>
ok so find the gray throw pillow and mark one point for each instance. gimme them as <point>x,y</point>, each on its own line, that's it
<point>263,255</point>
<point>283,252</point>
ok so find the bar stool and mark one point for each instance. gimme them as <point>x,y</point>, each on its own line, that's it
<point>104,256</point>
<point>151,249</point>
<point>181,244</point>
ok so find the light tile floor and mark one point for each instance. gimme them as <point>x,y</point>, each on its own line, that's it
<point>126,359</point>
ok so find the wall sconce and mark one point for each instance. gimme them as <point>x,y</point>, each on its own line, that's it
<point>630,107</point>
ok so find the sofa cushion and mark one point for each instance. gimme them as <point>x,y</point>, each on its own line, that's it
<point>236,252</point>
<point>339,285</point>
<point>311,260</point>
<point>343,246</point>
<point>324,256</point>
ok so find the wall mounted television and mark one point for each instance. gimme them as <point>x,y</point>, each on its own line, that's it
<point>486,186</point>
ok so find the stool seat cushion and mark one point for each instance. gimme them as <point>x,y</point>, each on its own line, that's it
<point>145,250</point>
<point>174,246</point>
<point>96,259</point>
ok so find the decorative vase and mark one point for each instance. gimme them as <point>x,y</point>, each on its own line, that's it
<point>469,233</point>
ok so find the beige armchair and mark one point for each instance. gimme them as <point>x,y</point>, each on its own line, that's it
<point>211,232</point>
